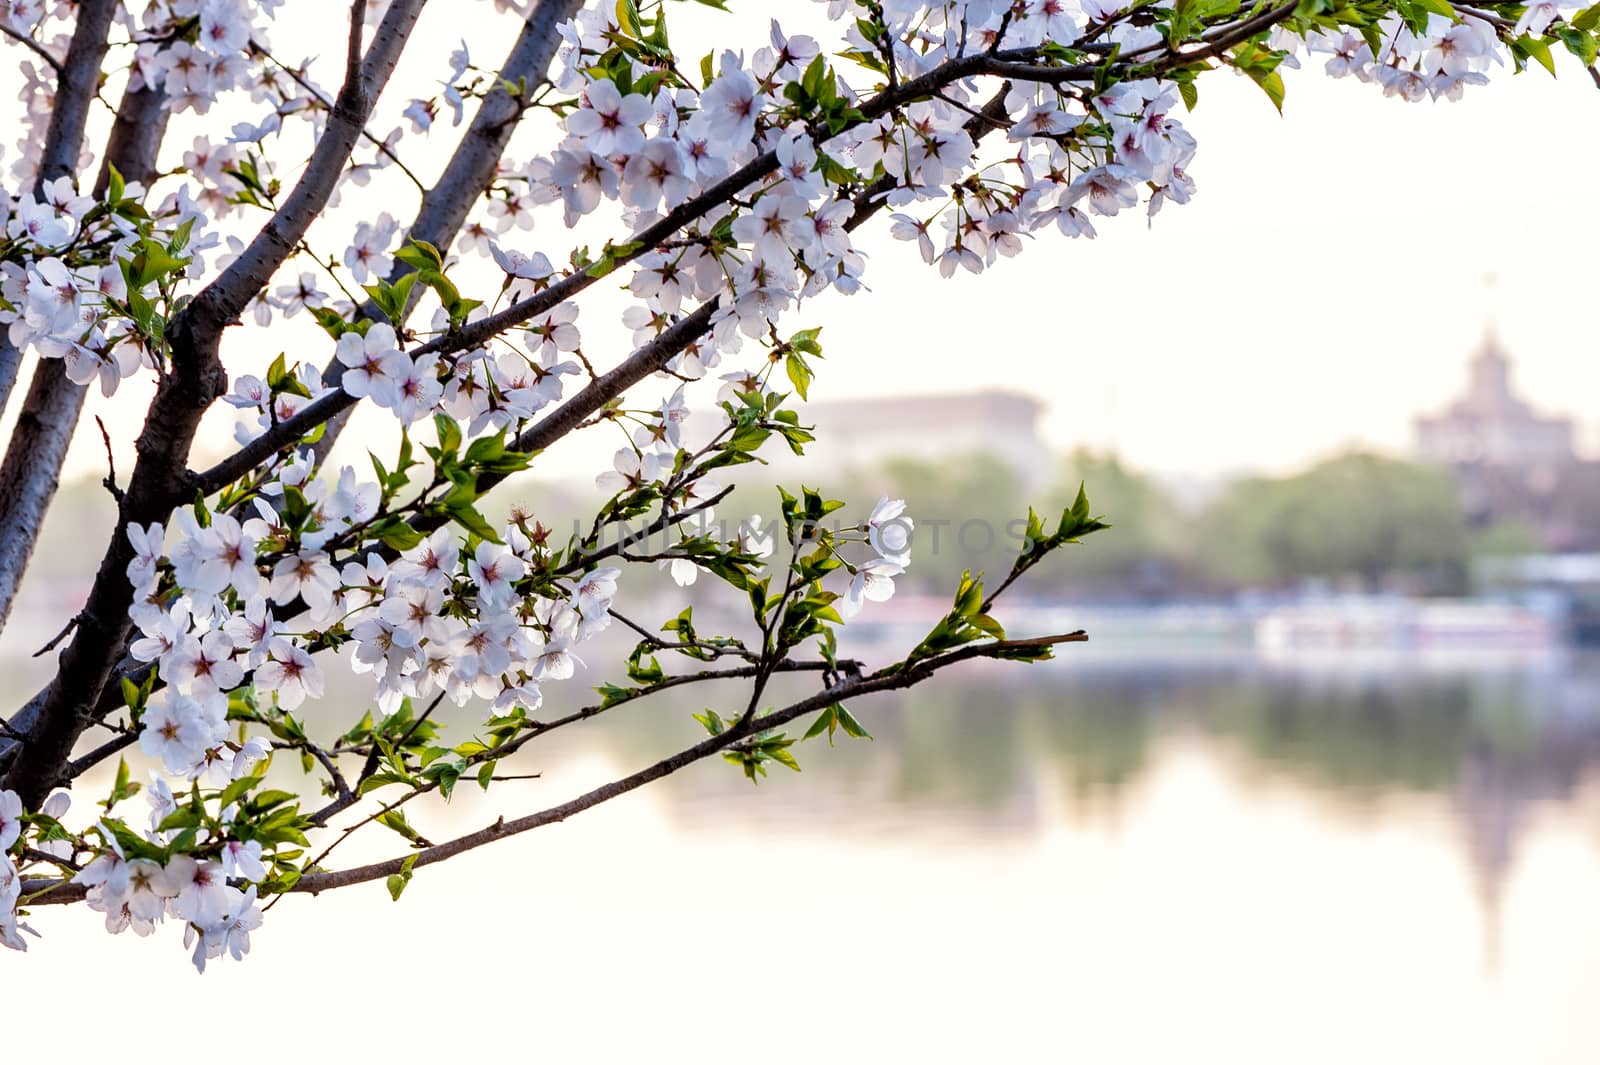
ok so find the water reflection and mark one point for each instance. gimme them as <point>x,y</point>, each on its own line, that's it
<point>979,748</point>
<point>1103,860</point>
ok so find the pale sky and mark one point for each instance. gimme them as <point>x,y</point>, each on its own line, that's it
<point>1326,283</point>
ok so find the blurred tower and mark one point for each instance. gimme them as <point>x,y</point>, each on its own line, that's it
<point>1491,425</point>
<point>1509,460</point>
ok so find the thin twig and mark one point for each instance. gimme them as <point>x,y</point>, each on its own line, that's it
<point>121,741</point>
<point>71,624</point>
<point>318,95</point>
<point>44,856</point>
<point>111,465</point>
<point>33,45</point>
<point>884,680</point>
<point>581,561</point>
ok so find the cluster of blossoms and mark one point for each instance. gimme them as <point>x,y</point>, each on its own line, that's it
<point>888,530</point>
<point>10,879</point>
<point>194,72</point>
<point>484,389</point>
<point>78,263</point>
<point>1441,62</point>
<point>656,150</point>
<point>422,112</point>
<point>194,50</point>
<point>652,144</point>
<point>139,892</point>
<point>437,619</point>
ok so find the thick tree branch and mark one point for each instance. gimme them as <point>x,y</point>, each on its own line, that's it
<point>10,364</point>
<point>219,303</point>
<point>76,81</point>
<point>472,167</point>
<point>75,90</point>
<point>43,432</point>
<point>196,378</point>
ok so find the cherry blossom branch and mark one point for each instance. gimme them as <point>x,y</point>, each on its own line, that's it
<point>883,680</point>
<point>648,359</point>
<point>651,357</point>
<point>537,729</point>
<point>580,562</point>
<point>223,299</point>
<point>45,426</point>
<point>285,433</point>
<point>159,482</point>
<point>76,79</point>
<point>736,650</point>
<point>691,211</point>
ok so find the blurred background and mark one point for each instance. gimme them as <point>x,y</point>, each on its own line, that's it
<point>1322,786</point>
<point>1324,782</point>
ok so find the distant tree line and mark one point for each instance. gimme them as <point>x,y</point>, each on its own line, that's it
<point>1358,520</point>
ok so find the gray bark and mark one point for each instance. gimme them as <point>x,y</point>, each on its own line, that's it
<point>160,481</point>
<point>32,466</point>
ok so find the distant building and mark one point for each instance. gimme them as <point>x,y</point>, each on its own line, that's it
<point>861,433</point>
<point>858,432</point>
<point>1492,425</point>
<point>1510,461</point>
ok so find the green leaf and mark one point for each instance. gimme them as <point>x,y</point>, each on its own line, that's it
<point>449,433</point>
<point>396,533</point>
<point>420,255</point>
<point>395,820</point>
<point>397,882</point>
<point>713,722</point>
<point>1272,84</point>
<point>800,374</point>
<point>851,726</point>
<point>1536,47</point>
<point>827,721</point>
<point>470,519</point>
<point>122,787</point>
<point>1580,44</point>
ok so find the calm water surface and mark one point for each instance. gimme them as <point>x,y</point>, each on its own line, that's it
<point>1103,860</point>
